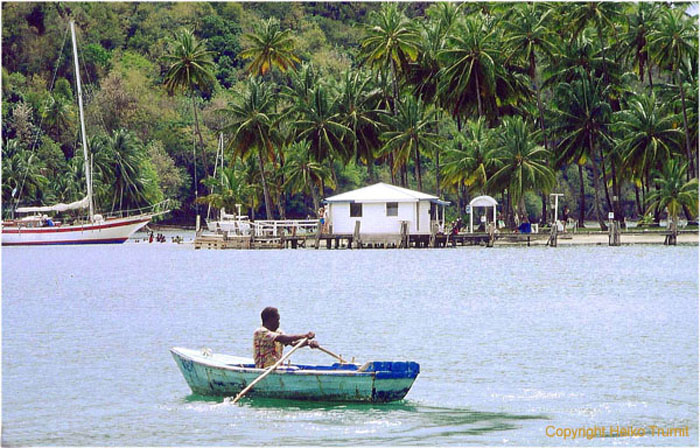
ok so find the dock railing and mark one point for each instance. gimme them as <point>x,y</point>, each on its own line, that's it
<point>277,228</point>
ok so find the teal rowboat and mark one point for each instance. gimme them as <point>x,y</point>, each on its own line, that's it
<point>224,375</point>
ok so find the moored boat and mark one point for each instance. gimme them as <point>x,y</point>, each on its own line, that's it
<point>37,228</point>
<point>224,375</point>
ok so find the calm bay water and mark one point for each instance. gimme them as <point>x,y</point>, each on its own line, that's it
<point>510,341</point>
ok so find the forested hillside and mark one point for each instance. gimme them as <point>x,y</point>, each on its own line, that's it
<point>598,101</point>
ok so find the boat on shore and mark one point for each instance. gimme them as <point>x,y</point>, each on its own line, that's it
<point>222,375</point>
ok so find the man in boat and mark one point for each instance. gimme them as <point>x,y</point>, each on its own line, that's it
<point>269,340</point>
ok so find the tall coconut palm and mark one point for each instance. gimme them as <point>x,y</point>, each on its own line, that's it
<point>126,152</point>
<point>583,117</point>
<point>648,135</point>
<point>229,188</point>
<point>527,33</point>
<point>251,129</point>
<point>602,15</point>
<point>409,133</point>
<point>358,109</point>
<point>469,61</point>
<point>304,173</point>
<point>470,162</point>
<point>391,42</point>
<point>641,20</point>
<point>191,68</point>
<point>267,47</point>
<point>521,164</point>
<point>674,40</point>
<point>320,123</point>
<point>21,174</point>
<point>674,192</point>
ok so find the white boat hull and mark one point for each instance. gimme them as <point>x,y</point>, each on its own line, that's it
<point>221,375</point>
<point>111,231</point>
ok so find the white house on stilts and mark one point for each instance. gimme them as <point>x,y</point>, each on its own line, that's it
<point>383,214</point>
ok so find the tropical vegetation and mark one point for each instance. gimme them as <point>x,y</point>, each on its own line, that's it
<point>595,100</point>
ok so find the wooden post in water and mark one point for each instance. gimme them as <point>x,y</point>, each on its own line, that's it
<point>356,235</point>
<point>492,234</point>
<point>404,235</point>
<point>553,235</point>
<point>672,238</point>
<point>614,233</point>
<point>317,242</point>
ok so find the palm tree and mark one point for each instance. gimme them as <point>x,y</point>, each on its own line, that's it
<point>470,162</point>
<point>59,117</point>
<point>229,188</point>
<point>521,164</point>
<point>269,46</point>
<point>21,174</point>
<point>126,153</point>
<point>410,132</point>
<point>304,173</point>
<point>648,134</point>
<point>583,117</point>
<point>603,14</point>
<point>671,43</point>
<point>191,68</point>
<point>392,41</point>
<point>252,119</point>
<point>320,123</point>
<point>527,32</point>
<point>674,193</point>
<point>634,42</point>
<point>358,109</point>
<point>469,61</point>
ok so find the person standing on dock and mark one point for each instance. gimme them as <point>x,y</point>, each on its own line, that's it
<point>269,340</point>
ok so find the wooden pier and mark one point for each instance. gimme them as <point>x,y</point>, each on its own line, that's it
<point>327,241</point>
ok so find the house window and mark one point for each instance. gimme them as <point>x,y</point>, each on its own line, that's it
<point>392,209</point>
<point>433,211</point>
<point>355,210</point>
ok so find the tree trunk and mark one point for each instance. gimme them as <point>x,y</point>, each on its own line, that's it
<point>640,211</point>
<point>418,174</point>
<point>201,140</point>
<point>266,193</point>
<point>314,198</point>
<point>617,208</point>
<point>437,172</point>
<point>596,187</point>
<point>692,169</point>
<point>582,195</point>
<point>478,92</point>
<point>651,83</point>
<point>605,180</point>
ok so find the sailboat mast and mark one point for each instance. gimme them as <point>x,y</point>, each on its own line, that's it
<point>88,175</point>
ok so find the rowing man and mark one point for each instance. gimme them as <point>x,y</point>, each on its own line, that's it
<point>268,340</point>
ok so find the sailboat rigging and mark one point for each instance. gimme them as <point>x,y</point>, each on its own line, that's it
<point>38,228</point>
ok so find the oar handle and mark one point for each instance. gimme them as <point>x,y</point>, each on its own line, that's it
<point>269,370</point>
<point>338,357</point>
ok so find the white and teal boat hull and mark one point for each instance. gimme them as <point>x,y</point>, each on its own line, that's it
<point>223,375</point>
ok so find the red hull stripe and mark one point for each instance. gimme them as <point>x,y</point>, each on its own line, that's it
<point>44,243</point>
<point>72,228</point>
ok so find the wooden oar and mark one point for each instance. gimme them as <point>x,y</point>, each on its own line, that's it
<point>269,370</point>
<point>325,350</point>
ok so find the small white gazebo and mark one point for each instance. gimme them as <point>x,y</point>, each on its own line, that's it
<point>481,201</point>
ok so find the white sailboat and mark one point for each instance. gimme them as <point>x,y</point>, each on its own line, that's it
<point>37,228</point>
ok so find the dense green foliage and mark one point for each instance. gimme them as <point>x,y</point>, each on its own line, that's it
<point>513,100</point>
